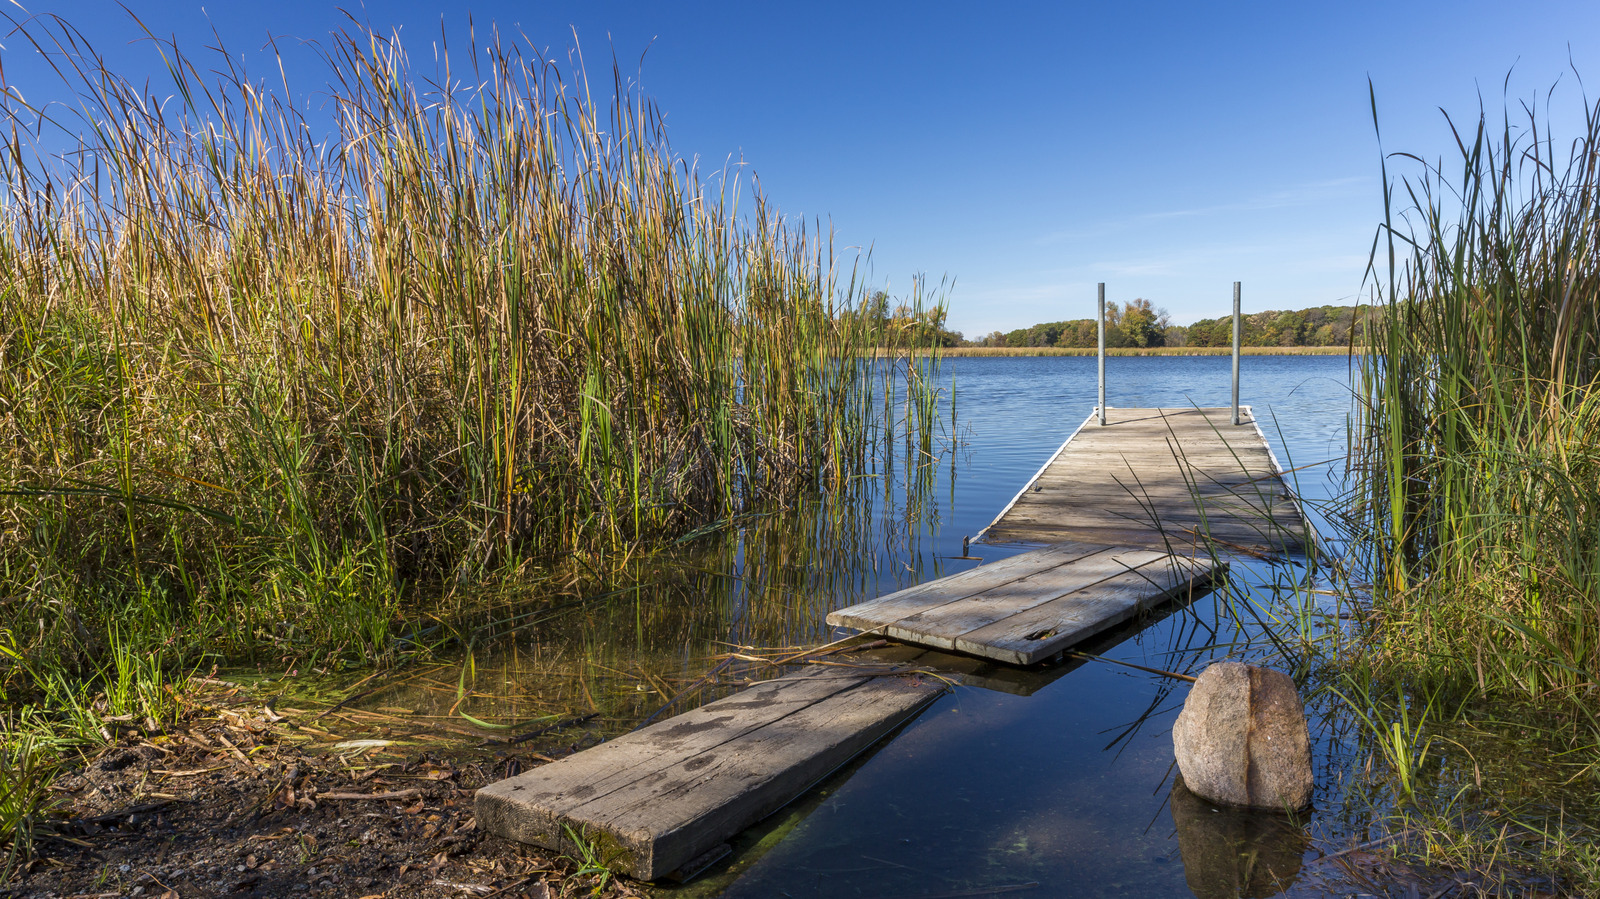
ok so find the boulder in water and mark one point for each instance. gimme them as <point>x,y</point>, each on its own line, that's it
<point>1241,739</point>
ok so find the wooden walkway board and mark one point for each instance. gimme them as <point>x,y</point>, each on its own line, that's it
<point>1166,479</point>
<point>1027,608</point>
<point>658,798</point>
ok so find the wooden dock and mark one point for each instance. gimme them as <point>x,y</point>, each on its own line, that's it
<point>1132,512</point>
<point>1030,607</point>
<point>663,800</point>
<point>1164,479</point>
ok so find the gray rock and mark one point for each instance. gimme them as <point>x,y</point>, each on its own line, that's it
<point>1241,739</point>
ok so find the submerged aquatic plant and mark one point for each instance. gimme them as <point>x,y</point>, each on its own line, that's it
<point>1399,737</point>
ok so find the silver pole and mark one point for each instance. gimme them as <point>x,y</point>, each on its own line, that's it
<point>1102,406</point>
<point>1236,331</point>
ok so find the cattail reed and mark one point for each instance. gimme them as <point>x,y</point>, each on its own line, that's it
<point>1479,435</point>
<point>265,369</point>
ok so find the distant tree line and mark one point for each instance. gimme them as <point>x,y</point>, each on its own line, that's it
<point>1317,326</point>
<point>904,324</point>
<point>1139,323</point>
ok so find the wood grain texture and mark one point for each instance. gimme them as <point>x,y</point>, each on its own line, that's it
<point>1026,617</point>
<point>1160,479</point>
<point>972,582</point>
<point>940,626</point>
<point>1039,633</point>
<point>654,799</point>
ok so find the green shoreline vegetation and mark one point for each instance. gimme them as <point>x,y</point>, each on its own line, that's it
<point>1476,509</point>
<point>272,399</point>
<point>1137,327</point>
<point>1139,324</point>
<point>980,351</point>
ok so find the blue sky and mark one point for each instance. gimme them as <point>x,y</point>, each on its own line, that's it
<point>1026,151</point>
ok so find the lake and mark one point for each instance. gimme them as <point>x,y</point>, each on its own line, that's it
<point>1065,782</point>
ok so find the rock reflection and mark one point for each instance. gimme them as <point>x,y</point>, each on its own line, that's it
<point>1231,852</point>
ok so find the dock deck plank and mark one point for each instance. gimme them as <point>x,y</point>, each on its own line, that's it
<point>1049,600</point>
<point>1046,629</point>
<point>657,798</point>
<point>1165,479</point>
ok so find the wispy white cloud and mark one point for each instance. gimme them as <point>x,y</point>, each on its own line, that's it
<point>1308,194</point>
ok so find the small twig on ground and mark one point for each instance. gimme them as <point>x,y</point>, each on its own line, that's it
<point>124,813</point>
<point>709,676</point>
<point>378,797</point>
<point>1265,557</point>
<point>510,886</point>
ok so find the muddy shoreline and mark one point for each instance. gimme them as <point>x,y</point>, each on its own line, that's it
<point>234,800</point>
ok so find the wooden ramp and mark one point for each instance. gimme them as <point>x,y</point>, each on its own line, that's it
<point>1028,608</point>
<point>661,799</point>
<point>1165,479</point>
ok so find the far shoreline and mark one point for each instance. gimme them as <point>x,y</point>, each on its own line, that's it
<point>1145,351</point>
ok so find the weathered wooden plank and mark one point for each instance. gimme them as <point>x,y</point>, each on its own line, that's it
<point>1152,477</point>
<point>967,670</point>
<point>1132,526</point>
<point>1046,629</point>
<point>1128,462</point>
<point>1132,531</point>
<point>1095,499</point>
<point>1171,482</point>
<point>941,626</point>
<point>614,764</point>
<point>1164,442</point>
<point>748,779</point>
<point>1178,540</point>
<point>1259,521</point>
<point>656,798</point>
<point>956,586</point>
<point>1123,462</point>
<point>1155,480</point>
<point>1168,422</point>
<point>1062,508</point>
<point>1032,618</point>
<point>1175,472</point>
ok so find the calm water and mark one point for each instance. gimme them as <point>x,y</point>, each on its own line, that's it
<point>1068,788</point>
<point>1065,782</point>
<point>1014,412</point>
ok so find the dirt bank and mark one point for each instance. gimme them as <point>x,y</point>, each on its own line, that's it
<point>239,799</point>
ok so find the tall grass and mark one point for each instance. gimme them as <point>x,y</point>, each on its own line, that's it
<point>268,375</point>
<point>1479,435</point>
